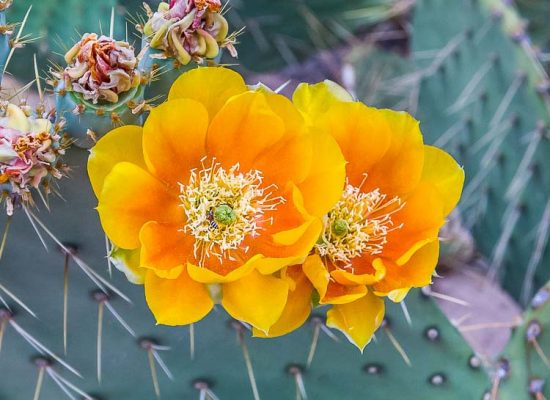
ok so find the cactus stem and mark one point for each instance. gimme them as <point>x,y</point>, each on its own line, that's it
<point>65,300</point>
<point>3,325</point>
<point>471,86</point>
<point>395,343</point>
<point>117,316</point>
<point>39,381</point>
<point>65,385</point>
<point>509,223</point>
<point>490,325</point>
<point>451,133</point>
<point>317,322</point>
<point>540,352</point>
<point>100,310</point>
<point>517,83</point>
<point>543,233</point>
<point>5,236</point>
<point>192,341</point>
<point>523,172</point>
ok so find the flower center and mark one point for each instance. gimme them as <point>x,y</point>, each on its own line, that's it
<point>223,207</point>
<point>358,224</point>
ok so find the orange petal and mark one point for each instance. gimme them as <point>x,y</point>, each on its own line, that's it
<point>298,305</point>
<point>344,277</point>
<point>256,299</point>
<point>211,86</point>
<point>174,140</point>
<point>245,127</point>
<point>121,144</point>
<point>445,174</point>
<point>165,249</point>
<point>399,170</point>
<point>358,320</point>
<point>363,134</point>
<point>417,272</point>
<point>179,301</point>
<point>130,198</point>
<point>421,218</point>
<point>210,274</point>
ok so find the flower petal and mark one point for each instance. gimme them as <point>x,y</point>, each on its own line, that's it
<point>165,249</point>
<point>399,170</point>
<point>211,86</point>
<point>317,273</point>
<point>128,262</point>
<point>212,273</point>
<point>121,144</point>
<point>256,299</point>
<point>421,218</point>
<point>314,100</point>
<point>417,272</point>
<point>344,277</point>
<point>179,301</point>
<point>298,305</point>
<point>445,174</point>
<point>358,320</point>
<point>245,127</point>
<point>174,140</point>
<point>130,198</point>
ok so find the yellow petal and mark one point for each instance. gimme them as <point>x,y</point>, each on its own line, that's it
<point>16,119</point>
<point>130,198</point>
<point>445,174</point>
<point>127,261</point>
<point>178,301</point>
<point>415,273</point>
<point>205,275</point>
<point>314,100</point>
<point>344,277</point>
<point>268,266</point>
<point>317,273</point>
<point>174,140</point>
<point>211,86</point>
<point>358,320</point>
<point>121,144</point>
<point>298,305</point>
<point>256,299</point>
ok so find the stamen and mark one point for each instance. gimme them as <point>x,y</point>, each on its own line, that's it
<point>358,224</point>
<point>223,207</point>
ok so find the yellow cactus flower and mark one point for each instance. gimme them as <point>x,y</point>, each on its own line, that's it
<point>221,191</point>
<point>381,237</point>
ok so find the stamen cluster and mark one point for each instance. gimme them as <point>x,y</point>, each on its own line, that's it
<point>223,207</point>
<point>358,224</point>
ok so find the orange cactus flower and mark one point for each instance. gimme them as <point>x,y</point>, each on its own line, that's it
<point>220,192</point>
<point>381,238</point>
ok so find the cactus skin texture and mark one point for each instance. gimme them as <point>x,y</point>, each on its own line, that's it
<point>484,97</point>
<point>526,356</point>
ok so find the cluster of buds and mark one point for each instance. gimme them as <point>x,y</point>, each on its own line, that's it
<point>30,151</point>
<point>5,4</point>
<point>189,30</point>
<point>101,68</point>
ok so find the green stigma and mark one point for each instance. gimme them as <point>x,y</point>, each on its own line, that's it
<point>340,227</point>
<point>224,215</point>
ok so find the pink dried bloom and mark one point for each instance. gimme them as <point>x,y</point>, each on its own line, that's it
<point>189,30</point>
<point>30,153</point>
<point>101,68</point>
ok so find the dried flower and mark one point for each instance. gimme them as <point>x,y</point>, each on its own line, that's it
<point>5,4</point>
<point>189,30</point>
<point>101,68</point>
<point>29,156</point>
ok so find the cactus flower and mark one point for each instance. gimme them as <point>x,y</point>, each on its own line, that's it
<point>189,30</point>
<point>101,68</point>
<point>29,156</point>
<point>381,237</point>
<point>223,192</point>
<point>5,4</point>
